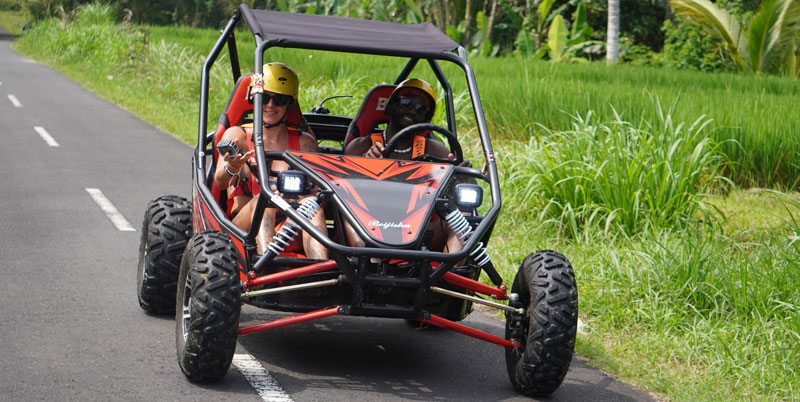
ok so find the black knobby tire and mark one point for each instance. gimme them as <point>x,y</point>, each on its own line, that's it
<point>548,291</point>
<point>208,299</point>
<point>166,228</point>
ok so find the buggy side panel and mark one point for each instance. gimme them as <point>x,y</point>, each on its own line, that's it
<point>203,220</point>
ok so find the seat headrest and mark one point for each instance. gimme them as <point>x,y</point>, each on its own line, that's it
<point>240,105</point>
<point>371,113</point>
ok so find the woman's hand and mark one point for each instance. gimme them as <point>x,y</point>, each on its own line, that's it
<point>236,162</point>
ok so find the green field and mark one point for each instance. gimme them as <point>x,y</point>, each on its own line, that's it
<point>688,272</point>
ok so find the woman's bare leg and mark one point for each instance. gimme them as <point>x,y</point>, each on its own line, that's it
<point>266,231</point>
<point>313,248</point>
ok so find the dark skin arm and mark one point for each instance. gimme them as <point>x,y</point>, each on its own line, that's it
<point>362,146</point>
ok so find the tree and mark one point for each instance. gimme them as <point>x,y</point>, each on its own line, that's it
<point>612,46</point>
<point>769,42</point>
<point>642,24</point>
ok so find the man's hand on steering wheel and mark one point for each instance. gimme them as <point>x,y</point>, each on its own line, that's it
<point>415,129</point>
<point>375,151</point>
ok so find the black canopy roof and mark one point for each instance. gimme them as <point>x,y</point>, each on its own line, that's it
<point>322,32</point>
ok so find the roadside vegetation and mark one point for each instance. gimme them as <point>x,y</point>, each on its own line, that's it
<point>12,19</point>
<point>650,180</point>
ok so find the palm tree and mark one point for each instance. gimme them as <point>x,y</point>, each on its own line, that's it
<point>612,46</point>
<point>768,43</point>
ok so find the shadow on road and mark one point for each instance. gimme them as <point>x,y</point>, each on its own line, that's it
<point>389,360</point>
<point>5,36</point>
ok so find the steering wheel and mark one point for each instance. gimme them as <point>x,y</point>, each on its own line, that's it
<point>414,129</point>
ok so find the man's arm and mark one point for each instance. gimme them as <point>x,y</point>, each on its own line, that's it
<point>361,146</point>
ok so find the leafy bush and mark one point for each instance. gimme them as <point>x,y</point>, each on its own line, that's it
<point>42,9</point>
<point>765,42</point>
<point>686,46</point>
<point>637,55</point>
<point>11,5</point>
<point>640,20</point>
<point>91,38</point>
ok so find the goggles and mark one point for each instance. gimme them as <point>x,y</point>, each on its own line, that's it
<point>277,99</point>
<point>406,102</point>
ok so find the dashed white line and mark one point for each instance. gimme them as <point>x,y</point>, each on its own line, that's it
<point>108,208</point>
<point>265,385</point>
<point>46,136</point>
<point>14,101</point>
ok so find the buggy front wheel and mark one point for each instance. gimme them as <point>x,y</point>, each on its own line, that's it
<point>546,287</point>
<point>208,300</point>
<point>166,228</point>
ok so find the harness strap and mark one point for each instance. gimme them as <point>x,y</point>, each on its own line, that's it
<point>250,186</point>
<point>417,149</point>
<point>294,136</point>
<point>294,139</point>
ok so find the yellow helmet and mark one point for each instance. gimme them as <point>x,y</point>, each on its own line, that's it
<point>280,79</point>
<point>415,83</point>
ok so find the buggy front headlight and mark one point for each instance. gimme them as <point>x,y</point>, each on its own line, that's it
<point>468,195</point>
<point>291,182</point>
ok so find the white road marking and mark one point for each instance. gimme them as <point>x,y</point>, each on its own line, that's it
<point>46,136</point>
<point>113,214</point>
<point>14,100</point>
<point>265,385</point>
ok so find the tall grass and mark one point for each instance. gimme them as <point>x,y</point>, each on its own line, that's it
<point>758,112</point>
<point>754,117</point>
<point>98,39</point>
<point>723,308</point>
<point>687,310</point>
<point>12,20</point>
<point>616,174</point>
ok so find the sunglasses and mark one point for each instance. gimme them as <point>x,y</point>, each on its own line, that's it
<point>408,103</point>
<point>277,99</point>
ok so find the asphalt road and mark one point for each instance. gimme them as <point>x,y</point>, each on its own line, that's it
<point>72,329</point>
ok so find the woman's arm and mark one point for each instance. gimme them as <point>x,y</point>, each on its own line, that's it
<point>229,166</point>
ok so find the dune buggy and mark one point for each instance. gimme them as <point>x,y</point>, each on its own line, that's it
<point>196,262</point>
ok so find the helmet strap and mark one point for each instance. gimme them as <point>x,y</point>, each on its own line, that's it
<point>281,121</point>
<point>273,125</point>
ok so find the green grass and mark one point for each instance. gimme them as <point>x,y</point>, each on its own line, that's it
<point>12,21</point>
<point>704,313</point>
<point>617,176</point>
<point>754,118</point>
<point>758,112</point>
<point>688,285</point>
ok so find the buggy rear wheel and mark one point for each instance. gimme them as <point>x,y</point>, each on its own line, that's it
<point>546,331</point>
<point>207,319</point>
<point>166,228</point>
